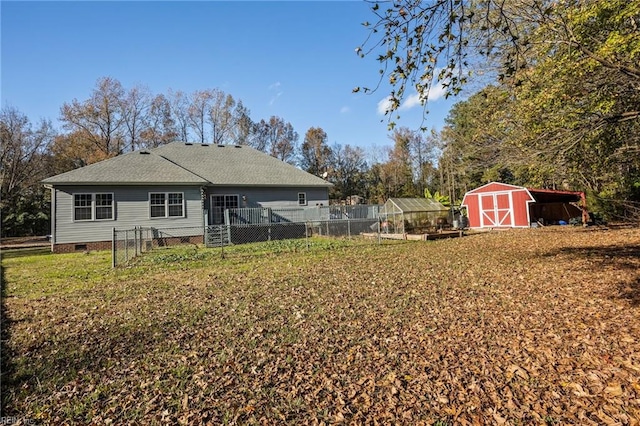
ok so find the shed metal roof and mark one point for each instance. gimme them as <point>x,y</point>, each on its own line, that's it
<point>413,205</point>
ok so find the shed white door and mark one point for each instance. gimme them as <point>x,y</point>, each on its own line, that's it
<point>495,210</point>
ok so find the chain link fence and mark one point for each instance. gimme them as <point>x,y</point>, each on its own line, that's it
<point>265,215</point>
<point>130,243</point>
<point>255,225</point>
<point>226,235</point>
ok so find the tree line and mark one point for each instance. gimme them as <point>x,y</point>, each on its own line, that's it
<point>554,103</point>
<point>114,120</point>
<point>555,90</point>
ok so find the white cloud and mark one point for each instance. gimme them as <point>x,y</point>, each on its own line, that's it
<point>271,88</point>
<point>384,105</point>
<point>345,110</point>
<point>410,102</point>
<point>275,98</point>
<point>436,92</point>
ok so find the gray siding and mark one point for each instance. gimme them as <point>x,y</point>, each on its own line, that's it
<point>273,197</point>
<point>131,209</point>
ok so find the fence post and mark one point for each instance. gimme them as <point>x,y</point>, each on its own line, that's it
<point>349,227</point>
<point>306,233</point>
<point>113,247</point>
<point>126,245</point>
<point>205,240</point>
<point>221,241</point>
<point>227,222</point>
<point>135,241</point>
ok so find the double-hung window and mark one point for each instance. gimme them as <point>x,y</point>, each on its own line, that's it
<point>302,198</point>
<point>103,206</point>
<point>166,204</point>
<point>97,206</point>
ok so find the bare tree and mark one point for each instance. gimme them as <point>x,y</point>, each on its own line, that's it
<point>159,125</point>
<point>134,106</point>
<point>315,154</point>
<point>348,171</point>
<point>199,112</point>
<point>282,140</point>
<point>220,116</point>
<point>244,126</point>
<point>179,102</point>
<point>99,119</point>
<point>260,136</point>
<point>23,163</point>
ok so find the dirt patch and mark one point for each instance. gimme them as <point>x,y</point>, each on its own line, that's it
<point>24,242</point>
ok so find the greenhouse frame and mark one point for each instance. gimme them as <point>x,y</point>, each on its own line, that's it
<point>412,216</point>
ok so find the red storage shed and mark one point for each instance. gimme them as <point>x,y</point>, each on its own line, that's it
<point>499,205</point>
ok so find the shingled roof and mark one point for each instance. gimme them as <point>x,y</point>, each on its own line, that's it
<point>185,163</point>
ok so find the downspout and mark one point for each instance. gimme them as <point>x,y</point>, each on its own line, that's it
<point>53,214</point>
<point>204,213</point>
<point>203,202</point>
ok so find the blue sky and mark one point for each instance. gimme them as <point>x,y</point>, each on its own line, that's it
<point>292,59</point>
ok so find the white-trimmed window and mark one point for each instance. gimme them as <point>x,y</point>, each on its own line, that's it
<point>166,204</point>
<point>221,202</point>
<point>302,198</point>
<point>95,206</point>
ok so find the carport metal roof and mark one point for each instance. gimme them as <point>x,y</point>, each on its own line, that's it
<point>556,196</point>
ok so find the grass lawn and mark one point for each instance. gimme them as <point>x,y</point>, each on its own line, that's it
<point>538,326</point>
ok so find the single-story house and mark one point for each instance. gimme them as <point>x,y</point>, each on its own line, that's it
<point>499,205</point>
<point>177,185</point>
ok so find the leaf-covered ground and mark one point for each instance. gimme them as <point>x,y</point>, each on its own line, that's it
<point>536,326</point>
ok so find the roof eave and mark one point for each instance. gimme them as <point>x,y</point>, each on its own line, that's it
<point>273,185</point>
<point>93,183</point>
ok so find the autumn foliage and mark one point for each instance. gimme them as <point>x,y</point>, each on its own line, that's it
<point>538,326</point>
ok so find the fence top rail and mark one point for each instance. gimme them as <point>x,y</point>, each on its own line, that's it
<point>248,215</point>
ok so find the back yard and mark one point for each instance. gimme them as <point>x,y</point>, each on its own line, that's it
<point>534,326</point>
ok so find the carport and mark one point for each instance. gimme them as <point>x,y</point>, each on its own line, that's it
<point>552,207</point>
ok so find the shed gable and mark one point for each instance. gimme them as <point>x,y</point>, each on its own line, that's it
<point>498,205</point>
<point>495,187</point>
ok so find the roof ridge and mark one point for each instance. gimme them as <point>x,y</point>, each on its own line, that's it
<point>184,168</point>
